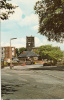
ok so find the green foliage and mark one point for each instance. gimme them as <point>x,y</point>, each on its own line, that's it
<point>20,50</point>
<point>51,18</point>
<point>37,51</point>
<point>50,53</point>
<point>4,14</point>
<point>58,10</point>
<point>9,6</point>
<point>5,5</point>
<point>17,52</point>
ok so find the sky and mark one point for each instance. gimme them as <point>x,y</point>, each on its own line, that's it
<point>24,22</point>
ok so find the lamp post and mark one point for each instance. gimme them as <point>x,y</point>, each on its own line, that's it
<point>11,53</point>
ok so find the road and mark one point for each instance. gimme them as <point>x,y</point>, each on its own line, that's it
<point>32,82</point>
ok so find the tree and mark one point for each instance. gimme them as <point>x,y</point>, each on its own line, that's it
<point>50,53</point>
<point>36,51</point>
<point>17,52</point>
<point>51,19</point>
<point>8,9</point>
<point>20,50</point>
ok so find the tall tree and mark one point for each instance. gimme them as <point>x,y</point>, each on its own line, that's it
<point>50,53</point>
<point>51,19</point>
<point>8,9</point>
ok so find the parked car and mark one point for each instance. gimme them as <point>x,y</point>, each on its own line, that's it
<point>16,60</point>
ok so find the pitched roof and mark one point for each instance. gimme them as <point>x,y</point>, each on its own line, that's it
<point>28,54</point>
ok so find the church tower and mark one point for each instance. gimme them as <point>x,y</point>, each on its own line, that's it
<point>30,43</point>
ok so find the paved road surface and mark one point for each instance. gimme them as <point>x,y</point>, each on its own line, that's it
<point>32,82</point>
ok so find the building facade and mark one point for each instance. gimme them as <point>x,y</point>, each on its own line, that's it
<point>7,52</point>
<point>30,43</point>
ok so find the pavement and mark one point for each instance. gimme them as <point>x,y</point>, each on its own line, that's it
<point>32,82</point>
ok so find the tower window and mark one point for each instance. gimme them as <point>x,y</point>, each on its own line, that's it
<point>29,44</point>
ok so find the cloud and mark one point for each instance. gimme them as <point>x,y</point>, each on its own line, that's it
<point>20,42</point>
<point>16,15</point>
<point>23,40</point>
<point>38,42</point>
<point>4,10</point>
<point>35,27</point>
<point>28,6</point>
<point>29,1</point>
<point>2,43</point>
<point>5,44</point>
<point>44,41</point>
<point>29,20</point>
<point>19,45</point>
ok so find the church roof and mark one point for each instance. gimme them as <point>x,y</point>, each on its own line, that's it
<point>28,54</point>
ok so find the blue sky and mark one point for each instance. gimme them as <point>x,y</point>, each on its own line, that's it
<point>24,22</point>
